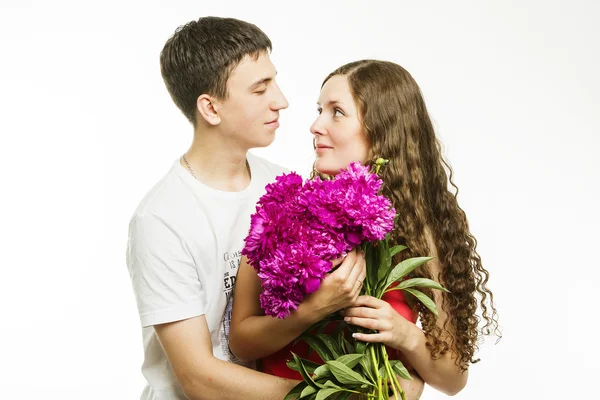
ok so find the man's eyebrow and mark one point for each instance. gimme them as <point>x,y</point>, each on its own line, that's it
<point>262,81</point>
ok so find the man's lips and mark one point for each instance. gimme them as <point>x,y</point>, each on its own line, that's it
<point>273,124</point>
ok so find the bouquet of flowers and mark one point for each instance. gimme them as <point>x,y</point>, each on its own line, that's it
<point>297,229</point>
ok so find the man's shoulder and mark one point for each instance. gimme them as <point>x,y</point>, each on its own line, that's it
<point>170,194</point>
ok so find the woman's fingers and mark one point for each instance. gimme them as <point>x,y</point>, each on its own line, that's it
<point>369,301</point>
<point>361,312</point>
<point>368,323</point>
<point>344,263</point>
<point>359,270</point>
<point>369,337</point>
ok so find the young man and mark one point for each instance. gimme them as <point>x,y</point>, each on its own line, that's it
<point>186,235</point>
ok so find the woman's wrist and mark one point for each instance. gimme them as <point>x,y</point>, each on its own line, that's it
<point>309,313</point>
<point>410,338</point>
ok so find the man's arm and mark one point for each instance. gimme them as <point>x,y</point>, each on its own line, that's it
<point>188,347</point>
<point>254,335</point>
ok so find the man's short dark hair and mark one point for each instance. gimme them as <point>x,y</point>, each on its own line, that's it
<point>200,56</point>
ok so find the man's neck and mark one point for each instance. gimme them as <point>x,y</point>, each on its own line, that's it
<point>218,164</point>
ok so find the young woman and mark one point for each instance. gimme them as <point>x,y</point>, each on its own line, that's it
<point>370,109</point>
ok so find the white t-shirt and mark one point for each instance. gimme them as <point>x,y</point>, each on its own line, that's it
<point>183,254</point>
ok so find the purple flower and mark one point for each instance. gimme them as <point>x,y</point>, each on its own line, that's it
<point>311,285</point>
<point>298,228</point>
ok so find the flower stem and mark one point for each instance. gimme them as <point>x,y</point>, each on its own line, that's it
<point>355,391</point>
<point>394,380</point>
<point>376,370</point>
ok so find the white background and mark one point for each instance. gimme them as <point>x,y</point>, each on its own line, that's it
<point>87,128</point>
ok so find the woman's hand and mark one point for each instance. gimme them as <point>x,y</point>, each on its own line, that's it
<point>340,288</point>
<point>393,330</point>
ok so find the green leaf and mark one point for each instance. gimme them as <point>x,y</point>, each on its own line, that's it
<point>399,369</point>
<point>345,375</point>
<point>361,347</point>
<point>320,324</point>
<point>404,268</point>
<point>348,347</point>
<point>317,345</point>
<point>305,375</point>
<point>325,393</point>
<point>383,373</point>
<point>296,391</point>
<point>423,299</point>
<point>338,334</point>
<point>384,260</point>
<point>330,384</point>
<point>309,365</point>
<point>371,265</point>
<point>331,345</point>
<point>322,372</point>
<point>397,249</point>
<point>308,391</point>
<point>420,282</point>
<point>350,360</point>
<point>365,363</point>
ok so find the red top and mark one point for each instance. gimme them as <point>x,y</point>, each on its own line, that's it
<point>275,364</point>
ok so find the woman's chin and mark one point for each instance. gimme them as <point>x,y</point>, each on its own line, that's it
<point>327,170</point>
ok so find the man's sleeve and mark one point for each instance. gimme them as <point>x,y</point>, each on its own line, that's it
<point>165,280</point>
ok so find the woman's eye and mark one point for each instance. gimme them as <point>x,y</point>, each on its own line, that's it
<point>319,110</point>
<point>337,112</point>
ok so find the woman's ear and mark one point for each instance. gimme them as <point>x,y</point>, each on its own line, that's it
<point>208,109</point>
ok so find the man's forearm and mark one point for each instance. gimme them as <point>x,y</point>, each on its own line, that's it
<point>224,380</point>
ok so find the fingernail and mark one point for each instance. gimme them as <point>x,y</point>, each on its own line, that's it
<point>347,319</point>
<point>355,335</point>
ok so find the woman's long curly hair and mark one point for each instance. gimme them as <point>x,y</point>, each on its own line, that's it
<point>417,179</point>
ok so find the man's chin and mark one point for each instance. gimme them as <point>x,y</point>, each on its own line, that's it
<point>265,142</point>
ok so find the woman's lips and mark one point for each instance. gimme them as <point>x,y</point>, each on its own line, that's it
<point>322,149</point>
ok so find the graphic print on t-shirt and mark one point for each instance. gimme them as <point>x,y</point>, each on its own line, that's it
<point>233,260</point>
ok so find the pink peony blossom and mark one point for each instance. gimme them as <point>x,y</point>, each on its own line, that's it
<point>299,227</point>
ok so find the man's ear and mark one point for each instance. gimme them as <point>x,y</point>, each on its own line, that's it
<point>208,109</point>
